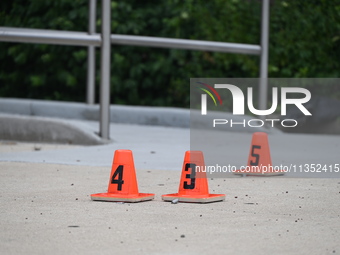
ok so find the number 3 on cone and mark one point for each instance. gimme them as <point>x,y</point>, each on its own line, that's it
<point>191,176</point>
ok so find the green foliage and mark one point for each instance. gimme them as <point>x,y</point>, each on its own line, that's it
<point>304,42</point>
<point>305,39</point>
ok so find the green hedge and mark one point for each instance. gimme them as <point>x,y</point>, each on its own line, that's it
<point>304,42</point>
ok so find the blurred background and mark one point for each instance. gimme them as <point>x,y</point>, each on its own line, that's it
<point>304,42</point>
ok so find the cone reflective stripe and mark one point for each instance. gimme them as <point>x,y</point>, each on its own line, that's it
<point>259,159</point>
<point>123,185</point>
<point>193,186</point>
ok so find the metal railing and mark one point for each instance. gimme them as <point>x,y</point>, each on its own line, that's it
<point>91,55</point>
<point>105,39</point>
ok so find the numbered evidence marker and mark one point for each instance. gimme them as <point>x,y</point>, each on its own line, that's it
<point>123,185</point>
<point>259,160</point>
<point>193,187</point>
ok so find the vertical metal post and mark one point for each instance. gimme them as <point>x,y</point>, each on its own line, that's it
<point>105,64</point>
<point>263,86</point>
<point>91,57</point>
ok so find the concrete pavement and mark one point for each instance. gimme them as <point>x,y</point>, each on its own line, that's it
<point>46,209</point>
<point>45,204</point>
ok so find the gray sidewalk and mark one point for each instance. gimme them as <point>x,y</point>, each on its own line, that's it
<point>154,147</point>
<point>163,148</point>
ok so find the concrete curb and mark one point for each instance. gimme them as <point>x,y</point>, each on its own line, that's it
<point>45,120</point>
<point>140,115</point>
<point>38,129</point>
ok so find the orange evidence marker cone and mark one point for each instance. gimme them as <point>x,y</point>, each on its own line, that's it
<point>259,160</point>
<point>123,185</point>
<point>193,186</point>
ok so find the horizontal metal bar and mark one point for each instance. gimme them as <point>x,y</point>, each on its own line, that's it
<point>187,44</point>
<point>24,35</point>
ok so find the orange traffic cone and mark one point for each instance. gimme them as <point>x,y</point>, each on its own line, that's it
<point>123,185</point>
<point>193,186</point>
<point>259,160</point>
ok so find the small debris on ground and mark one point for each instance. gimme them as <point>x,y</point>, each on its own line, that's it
<point>175,201</point>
